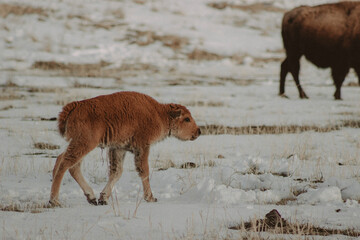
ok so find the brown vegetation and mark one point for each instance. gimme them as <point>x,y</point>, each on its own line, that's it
<point>42,145</point>
<point>93,69</point>
<point>19,10</point>
<point>265,129</point>
<point>201,55</point>
<point>253,8</point>
<point>144,38</point>
<point>72,69</point>
<point>274,223</point>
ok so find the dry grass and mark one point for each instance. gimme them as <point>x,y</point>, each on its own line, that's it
<point>98,70</point>
<point>353,84</point>
<point>201,55</point>
<point>72,69</point>
<point>31,208</point>
<point>45,90</point>
<point>8,94</point>
<point>42,145</point>
<point>285,129</point>
<point>275,224</point>
<point>205,104</point>
<point>6,108</point>
<point>20,10</point>
<point>144,38</point>
<point>253,8</point>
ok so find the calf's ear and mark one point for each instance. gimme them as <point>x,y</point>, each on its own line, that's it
<point>175,111</point>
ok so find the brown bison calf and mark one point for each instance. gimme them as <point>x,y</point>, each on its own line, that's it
<point>328,35</point>
<point>124,121</point>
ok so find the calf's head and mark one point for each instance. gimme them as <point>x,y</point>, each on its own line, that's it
<point>182,124</point>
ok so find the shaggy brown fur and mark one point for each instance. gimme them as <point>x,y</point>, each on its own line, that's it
<point>328,35</point>
<point>124,121</point>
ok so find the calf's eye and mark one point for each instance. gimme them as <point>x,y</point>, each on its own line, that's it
<point>187,119</point>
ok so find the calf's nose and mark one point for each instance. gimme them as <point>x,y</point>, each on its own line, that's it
<point>199,131</point>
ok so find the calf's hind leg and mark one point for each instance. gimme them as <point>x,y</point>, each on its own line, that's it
<point>72,156</point>
<point>75,172</point>
<point>116,161</point>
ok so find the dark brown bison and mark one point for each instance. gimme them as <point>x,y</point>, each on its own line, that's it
<point>123,121</point>
<point>328,35</point>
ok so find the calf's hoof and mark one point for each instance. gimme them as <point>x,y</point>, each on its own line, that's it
<point>150,199</point>
<point>53,203</point>
<point>92,201</point>
<point>102,202</point>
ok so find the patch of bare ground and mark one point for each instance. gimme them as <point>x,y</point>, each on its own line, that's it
<point>8,94</point>
<point>45,90</point>
<point>105,24</point>
<point>238,81</point>
<point>99,69</point>
<point>72,69</point>
<point>6,108</point>
<point>353,84</point>
<point>31,208</point>
<point>20,10</point>
<point>201,55</point>
<point>275,224</point>
<point>144,38</point>
<point>264,129</point>
<point>253,8</point>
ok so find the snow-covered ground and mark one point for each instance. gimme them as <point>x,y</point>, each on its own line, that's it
<point>219,58</point>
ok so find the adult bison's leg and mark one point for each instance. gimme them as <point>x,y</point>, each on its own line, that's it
<point>142,167</point>
<point>116,159</point>
<point>75,172</point>
<point>72,156</point>
<point>294,67</point>
<point>339,73</point>
<point>283,72</point>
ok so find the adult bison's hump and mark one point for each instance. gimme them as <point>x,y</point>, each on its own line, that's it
<point>325,34</point>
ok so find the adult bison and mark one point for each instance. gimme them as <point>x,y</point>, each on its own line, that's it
<point>328,35</point>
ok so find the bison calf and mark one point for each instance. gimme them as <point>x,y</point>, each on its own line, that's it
<point>327,35</point>
<point>123,121</point>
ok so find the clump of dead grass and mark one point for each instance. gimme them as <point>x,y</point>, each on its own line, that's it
<point>253,8</point>
<point>31,207</point>
<point>20,10</point>
<point>99,70</point>
<point>8,94</point>
<point>201,55</point>
<point>45,90</point>
<point>144,38</point>
<point>72,69</point>
<point>273,129</point>
<point>205,104</point>
<point>42,145</point>
<point>275,224</point>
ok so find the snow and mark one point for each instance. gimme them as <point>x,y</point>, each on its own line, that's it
<point>309,177</point>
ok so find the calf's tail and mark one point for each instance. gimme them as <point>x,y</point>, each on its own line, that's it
<point>63,116</point>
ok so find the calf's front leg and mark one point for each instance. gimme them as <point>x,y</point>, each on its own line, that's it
<point>142,167</point>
